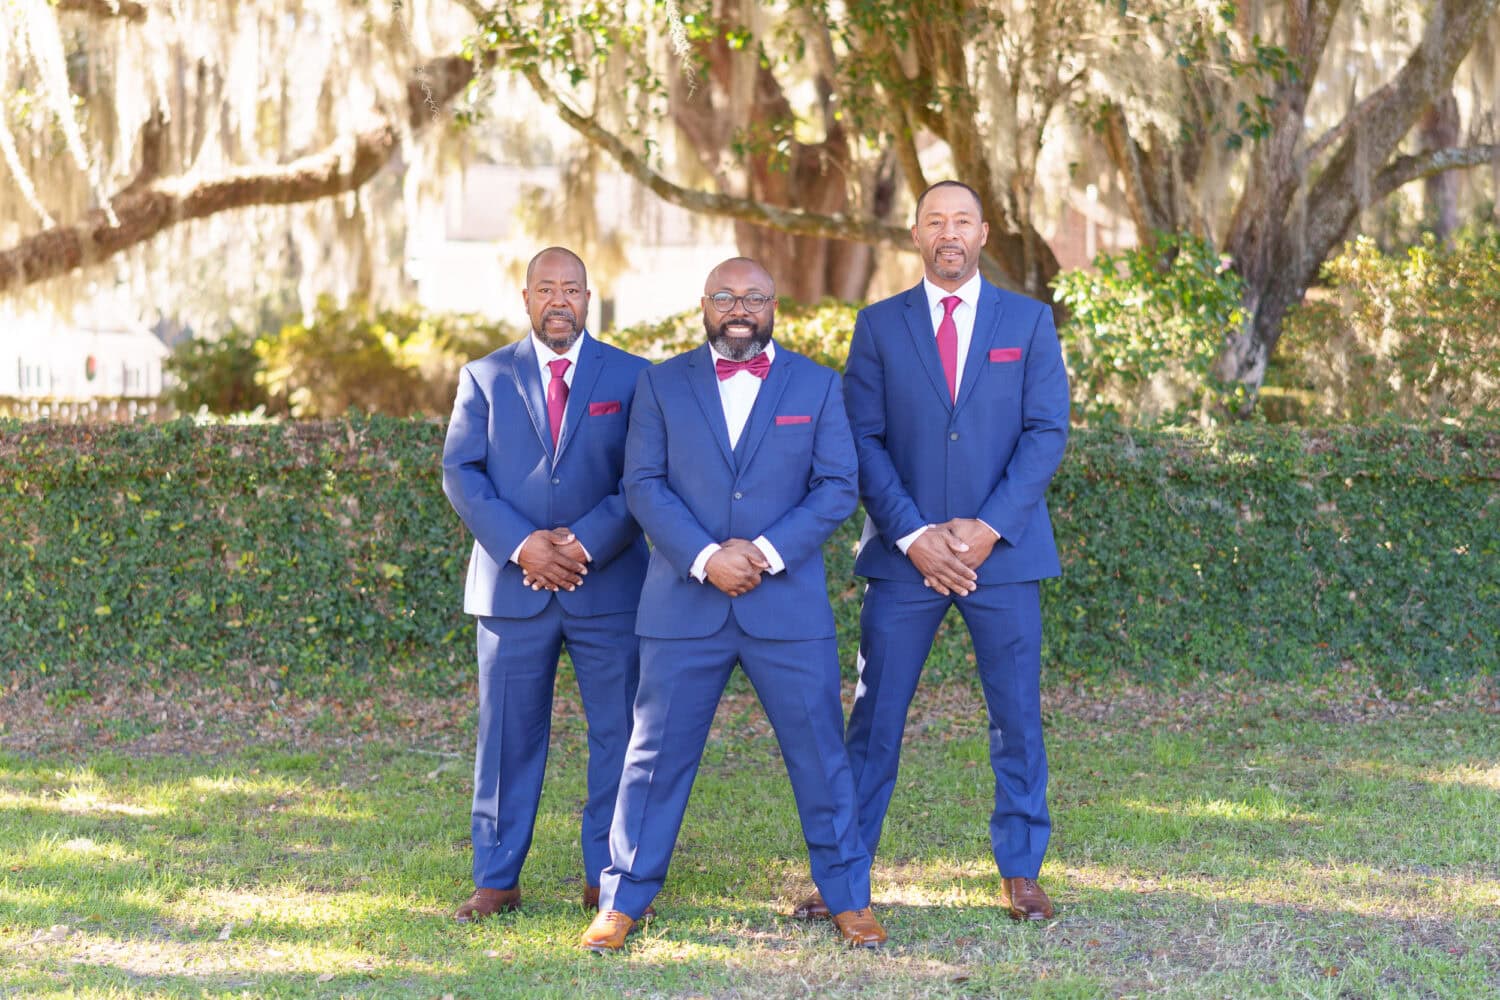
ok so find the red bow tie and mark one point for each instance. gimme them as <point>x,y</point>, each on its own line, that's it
<point>757,366</point>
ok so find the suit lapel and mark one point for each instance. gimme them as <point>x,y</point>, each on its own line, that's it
<point>924,341</point>
<point>590,362</point>
<point>705,384</point>
<point>986,322</point>
<point>529,384</point>
<point>764,409</point>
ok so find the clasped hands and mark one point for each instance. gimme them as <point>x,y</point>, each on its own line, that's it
<point>948,555</point>
<point>552,560</point>
<point>736,568</point>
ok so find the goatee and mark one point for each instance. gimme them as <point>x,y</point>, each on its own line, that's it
<point>739,348</point>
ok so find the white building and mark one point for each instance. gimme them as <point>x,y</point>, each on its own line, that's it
<point>100,354</point>
<point>466,254</point>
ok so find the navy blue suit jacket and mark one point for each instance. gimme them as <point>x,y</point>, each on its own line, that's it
<point>924,458</point>
<point>792,477</point>
<point>503,478</point>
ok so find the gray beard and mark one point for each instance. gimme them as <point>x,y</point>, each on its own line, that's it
<point>739,350</point>
<point>736,349</point>
<point>562,348</point>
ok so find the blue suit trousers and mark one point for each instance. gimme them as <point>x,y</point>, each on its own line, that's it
<point>681,683</point>
<point>898,622</point>
<point>517,674</point>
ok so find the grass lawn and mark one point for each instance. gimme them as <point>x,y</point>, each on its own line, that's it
<point>1220,839</point>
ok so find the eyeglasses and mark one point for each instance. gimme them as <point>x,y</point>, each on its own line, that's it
<point>754,302</point>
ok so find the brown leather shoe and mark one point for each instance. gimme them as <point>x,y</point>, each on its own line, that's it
<point>591,902</point>
<point>487,902</point>
<point>1025,899</point>
<point>811,908</point>
<point>859,928</point>
<point>607,932</point>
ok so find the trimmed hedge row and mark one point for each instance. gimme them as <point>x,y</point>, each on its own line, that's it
<point>325,553</point>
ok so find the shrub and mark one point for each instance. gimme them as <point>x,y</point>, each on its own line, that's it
<point>399,362</point>
<point>1144,329</point>
<point>217,375</point>
<point>323,553</point>
<point>1414,335</point>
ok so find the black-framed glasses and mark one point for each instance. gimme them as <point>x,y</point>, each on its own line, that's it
<point>754,302</point>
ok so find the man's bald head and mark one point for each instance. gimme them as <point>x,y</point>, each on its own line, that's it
<point>740,270</point>
<point>562,253</point>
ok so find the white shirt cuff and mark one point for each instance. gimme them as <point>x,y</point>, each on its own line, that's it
<point>904,542</point>
<point>987,524</point>
<point>772,556</point>
<point>515,556</point>
<point>700,564</point>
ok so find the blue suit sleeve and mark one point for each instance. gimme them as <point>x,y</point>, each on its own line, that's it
<point>890,507</point>
<point>495,524</point>
<point>832,488</point>
<point>1044,435</point>
<point>667,521</point>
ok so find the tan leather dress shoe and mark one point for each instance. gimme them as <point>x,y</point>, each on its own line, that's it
<point>859,928</point>
<point>811,908</point>
<point>591,902</point>
<point>1025,899</point>
<point>607,932</point>
<point>487,902</point>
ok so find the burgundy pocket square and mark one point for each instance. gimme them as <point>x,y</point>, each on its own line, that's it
<point>600,409</point>
<point>783,421</point>
<point>1005,354</point>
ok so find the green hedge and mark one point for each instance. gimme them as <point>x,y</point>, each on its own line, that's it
<point>325,554</point>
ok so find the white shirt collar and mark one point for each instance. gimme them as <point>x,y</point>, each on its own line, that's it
<point>769,352</point>
<point>968,291</point>
<point>545,354</point>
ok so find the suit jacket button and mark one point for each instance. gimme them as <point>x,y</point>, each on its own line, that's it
<point>738,495</point>
<point>558,482</point>
<point>951,437</point>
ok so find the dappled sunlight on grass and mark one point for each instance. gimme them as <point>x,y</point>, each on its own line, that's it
<point>1471,775</point>
<point>80,801</point>
<point>155,957</point>
<point>1260,808</point>
<point>1226,860</point>
<point>1345,888</point>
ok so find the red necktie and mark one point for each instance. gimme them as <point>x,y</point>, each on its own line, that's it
<point>757,366</point>
<point>557,396</point>
<point>947,344</point>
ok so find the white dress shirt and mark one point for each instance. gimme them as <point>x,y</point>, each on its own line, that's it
<point>545,355</point>
<point>737,394</point>
<point>963,324</point>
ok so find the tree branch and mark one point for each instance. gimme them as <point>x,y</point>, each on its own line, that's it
<point>150,205</point>
<point>127,9</point>
<point>799,223</point>
<point>1405,169</point>
<point>147,211</point>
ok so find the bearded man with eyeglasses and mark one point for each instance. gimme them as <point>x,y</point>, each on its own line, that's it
<point>739,464</point>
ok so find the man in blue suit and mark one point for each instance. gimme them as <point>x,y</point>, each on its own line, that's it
<point>532,465</point>
<point>958,399</point>
<point>739,465</point>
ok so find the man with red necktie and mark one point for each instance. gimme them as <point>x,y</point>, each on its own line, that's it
<point>738,465</point>
<point>532,465</point>
<point>958,399</point>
